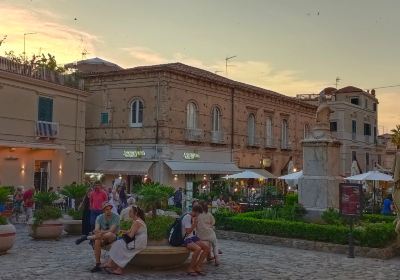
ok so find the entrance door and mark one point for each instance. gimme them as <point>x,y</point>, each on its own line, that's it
<point>41,176</point>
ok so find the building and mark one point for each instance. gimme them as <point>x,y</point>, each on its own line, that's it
<point>175,124</point>
<point>93,65</point>
<point>42,120</point>
<point>390,150</point>
<point>354,122</point>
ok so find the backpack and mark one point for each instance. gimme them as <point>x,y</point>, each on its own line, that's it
<point>175,237</point>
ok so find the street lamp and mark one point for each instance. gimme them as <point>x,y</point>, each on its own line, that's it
<point>226,64</point>
<point>29,33</point>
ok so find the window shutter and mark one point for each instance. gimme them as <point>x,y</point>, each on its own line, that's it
<point>45,110</point>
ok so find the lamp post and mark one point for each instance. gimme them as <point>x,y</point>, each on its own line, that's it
<point>29,33</point>
<point>226,64</point>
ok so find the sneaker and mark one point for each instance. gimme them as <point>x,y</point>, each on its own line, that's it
<point>81,239</point>
<point>97,268</point>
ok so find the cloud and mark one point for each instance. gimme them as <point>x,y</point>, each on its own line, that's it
<point>65,42</point>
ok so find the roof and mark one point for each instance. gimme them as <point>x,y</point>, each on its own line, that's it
<point>329,90</point>
<point>193,167</point>
<point>183,69</point>
<point>93,61</point>
<point>349,89</point>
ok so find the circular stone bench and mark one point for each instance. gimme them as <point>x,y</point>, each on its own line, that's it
<point>72,227</point>
<point>161,257</point>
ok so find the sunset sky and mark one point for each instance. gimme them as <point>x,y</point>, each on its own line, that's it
<point>289,46</point>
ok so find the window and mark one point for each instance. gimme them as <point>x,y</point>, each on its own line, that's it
<point>333,126</point>
<point>355,101</point>
<point>354,155</point>
<point>366,103</point>
<point>306,131</point>
<point>375,137</point>
<point>45,109</point>
<point>104,118</point>
<point>379,159</point>
<point>268,132</point>
<point>191,117</point>
<point>137,113</point>
<point>367,129</point>
<point>251,127</point>
<point>216,119</point>
<point>374,107</point>
<point>284,134</point>
<point>354,127</point>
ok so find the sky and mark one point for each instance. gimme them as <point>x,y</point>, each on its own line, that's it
<point>289,46</point>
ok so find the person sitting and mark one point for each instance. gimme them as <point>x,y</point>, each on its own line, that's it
<point>134,241</point>
<point>105,232</point>
<point>125,216</point>
<point>199,249</point>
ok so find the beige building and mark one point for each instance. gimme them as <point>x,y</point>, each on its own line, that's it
<point>354,122</point>
<point>42,120</point>
<point>174,123</point>
<point>387,158</point>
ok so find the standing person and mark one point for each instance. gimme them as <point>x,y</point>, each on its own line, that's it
<point>28,202</point>
<point>97,197</point>
<point>122,199</point>
<point>198,248</point>
<point>113,199</point>
<point>105,233</point>
<point>85,207</point>
<point>221,202</point>
<point>134,241</point>
<point>18,199</point>
<point>387,208</point>
<point>178,198</point>
<point>205,231</point>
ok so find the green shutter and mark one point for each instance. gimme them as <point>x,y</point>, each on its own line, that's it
<point>45,110</point>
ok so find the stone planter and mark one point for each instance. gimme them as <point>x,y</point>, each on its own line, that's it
<point>50,229</point>
<point>161,257</point>
<point>7,238</point>
<point>72,227</point>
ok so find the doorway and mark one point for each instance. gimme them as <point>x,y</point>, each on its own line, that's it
<point>41,175</point>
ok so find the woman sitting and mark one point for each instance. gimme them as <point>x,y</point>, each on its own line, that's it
<point>134,241</point>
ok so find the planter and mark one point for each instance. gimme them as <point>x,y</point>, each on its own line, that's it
<point>71,226</point>
<point>50,229</point>
<point>7,238</point>
<point>161,257</point>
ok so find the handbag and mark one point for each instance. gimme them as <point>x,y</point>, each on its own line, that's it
<point>128,240</point>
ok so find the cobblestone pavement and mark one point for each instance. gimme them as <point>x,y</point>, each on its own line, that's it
<point>62,259</point>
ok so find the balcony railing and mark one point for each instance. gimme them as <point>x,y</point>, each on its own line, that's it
<point>47,129</point>
<point>269,143</point>
<point>41,73</point>
<point>194,135</point>
<point>217,137</point>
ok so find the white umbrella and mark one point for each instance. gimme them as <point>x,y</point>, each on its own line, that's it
<point>292,176</point>
<point>247,174</point>
<point>371,176</point>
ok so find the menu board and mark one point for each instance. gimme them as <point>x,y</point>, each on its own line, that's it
<point>350,199</point>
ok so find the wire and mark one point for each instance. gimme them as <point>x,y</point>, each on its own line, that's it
<point>391,86</point>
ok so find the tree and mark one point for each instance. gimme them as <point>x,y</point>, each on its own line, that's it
<point>36,61</point>
<point>3,40</point>
<point>75,191</point>
<point>396,136</point>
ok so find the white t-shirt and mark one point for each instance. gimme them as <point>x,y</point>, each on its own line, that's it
<point>186,224</point>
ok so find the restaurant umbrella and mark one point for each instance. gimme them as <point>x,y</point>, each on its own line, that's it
<point>247,174</point>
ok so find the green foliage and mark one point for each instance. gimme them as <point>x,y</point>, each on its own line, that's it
<point>36,61</point>
<point>46,213</point>
<point>294,212</point>
<point>3,221</point>
<point>377,218</point>
<point>4,193</point>
<point>221,217</point>
<point>372,235</point>
<point>153,195</point>
<point>75,214</point>
<point>332,217</point>
<point>396,136</point>
<point>291,199</point>
<point>157,227</point>
<point>75,191</point>
<point>174,209</point>
<point>45,198</point>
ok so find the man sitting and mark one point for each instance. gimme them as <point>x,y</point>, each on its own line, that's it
<point>105,232</point>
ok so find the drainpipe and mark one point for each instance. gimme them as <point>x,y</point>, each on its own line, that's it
<point>232,121</point>
<point>158,169</point>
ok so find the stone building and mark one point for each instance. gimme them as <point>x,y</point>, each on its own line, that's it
<point>174,123</point>
<point>42,136</point>
<point>354,123</point>
<point>389,153</point>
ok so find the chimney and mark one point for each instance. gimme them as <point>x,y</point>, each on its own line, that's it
<point>373,92</point>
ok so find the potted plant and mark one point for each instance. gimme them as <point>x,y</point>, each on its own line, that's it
<point>154,195</point>
<point>46,223</point>
<point>73,222</point>
<point>7,230</point>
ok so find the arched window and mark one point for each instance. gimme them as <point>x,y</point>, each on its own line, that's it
<point>191,117</point>
<point>306,131</point>
<point>136,113</point>
<point>216,119</point>
<point>251,129</point>
<point>285,135</point>
<point>269,135</point>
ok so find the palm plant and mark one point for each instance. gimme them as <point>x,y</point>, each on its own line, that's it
<point>152,195</point>
<point>46,211</point>
<point>396,136</point>
<point>76,192</point>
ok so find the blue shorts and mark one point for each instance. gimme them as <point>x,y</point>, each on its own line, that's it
<point>192,239</point>
<point>93,216</point>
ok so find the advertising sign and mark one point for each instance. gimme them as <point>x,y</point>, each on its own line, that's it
<point>351,199</point>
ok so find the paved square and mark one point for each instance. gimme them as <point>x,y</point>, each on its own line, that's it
<point>62,259</point>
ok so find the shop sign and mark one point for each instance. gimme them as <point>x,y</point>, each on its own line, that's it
<point>134,154</point>
<point>191,156</point>
<point>350,199</point>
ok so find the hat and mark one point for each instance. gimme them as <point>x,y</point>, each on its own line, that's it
<point>106,204</point>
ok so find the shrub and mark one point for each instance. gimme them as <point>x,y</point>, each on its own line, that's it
<point>175,209</point>
<point>153,195</point>
<point>75,191</point>
<point>221,217</point>
<point>332,217</point>
<point>3,221</point>
<point>294,212</point>
<point>4,193</point>
<point>291,199</point>
<point>46,213</point>
<point>75,214</point>
<point>157,227</point>
<point>45,198</point>
<point>377,218</point>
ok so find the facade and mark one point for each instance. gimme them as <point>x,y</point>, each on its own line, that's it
<point>174,124</point>
<point>354,122</point>
<point>388,157</point>
<point>42,136</point>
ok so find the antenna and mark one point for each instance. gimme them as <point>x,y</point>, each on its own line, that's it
<point>337,81</point>
<point>226,63</point>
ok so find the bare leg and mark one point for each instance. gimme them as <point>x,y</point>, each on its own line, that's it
<point>196,250</point>
<point>205,251</point>
<point>97,250</point>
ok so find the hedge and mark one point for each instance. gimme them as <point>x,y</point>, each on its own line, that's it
<point>377,218</point>
<point>371,235</point>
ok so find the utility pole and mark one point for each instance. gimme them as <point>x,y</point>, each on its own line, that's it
<point>29,33</point>
<point>226,63</point>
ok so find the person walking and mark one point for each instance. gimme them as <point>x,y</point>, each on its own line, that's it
<point>133,242</point>
<point>97,197</point>
<point>387,208</point>
<point>178,198</point>
<point>28,202</point>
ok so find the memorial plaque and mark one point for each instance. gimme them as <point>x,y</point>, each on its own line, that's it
<point>351,199</point>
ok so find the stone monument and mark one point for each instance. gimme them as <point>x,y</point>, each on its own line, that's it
<point>319,186</point>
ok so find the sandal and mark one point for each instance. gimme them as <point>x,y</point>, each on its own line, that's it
<point>109,271</point>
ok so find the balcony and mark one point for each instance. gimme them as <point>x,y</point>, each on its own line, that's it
<point>217,137</point>
<point>194,135</point>
<point>47,129</point>
<point>269,143</point>
<point>253,142</point>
